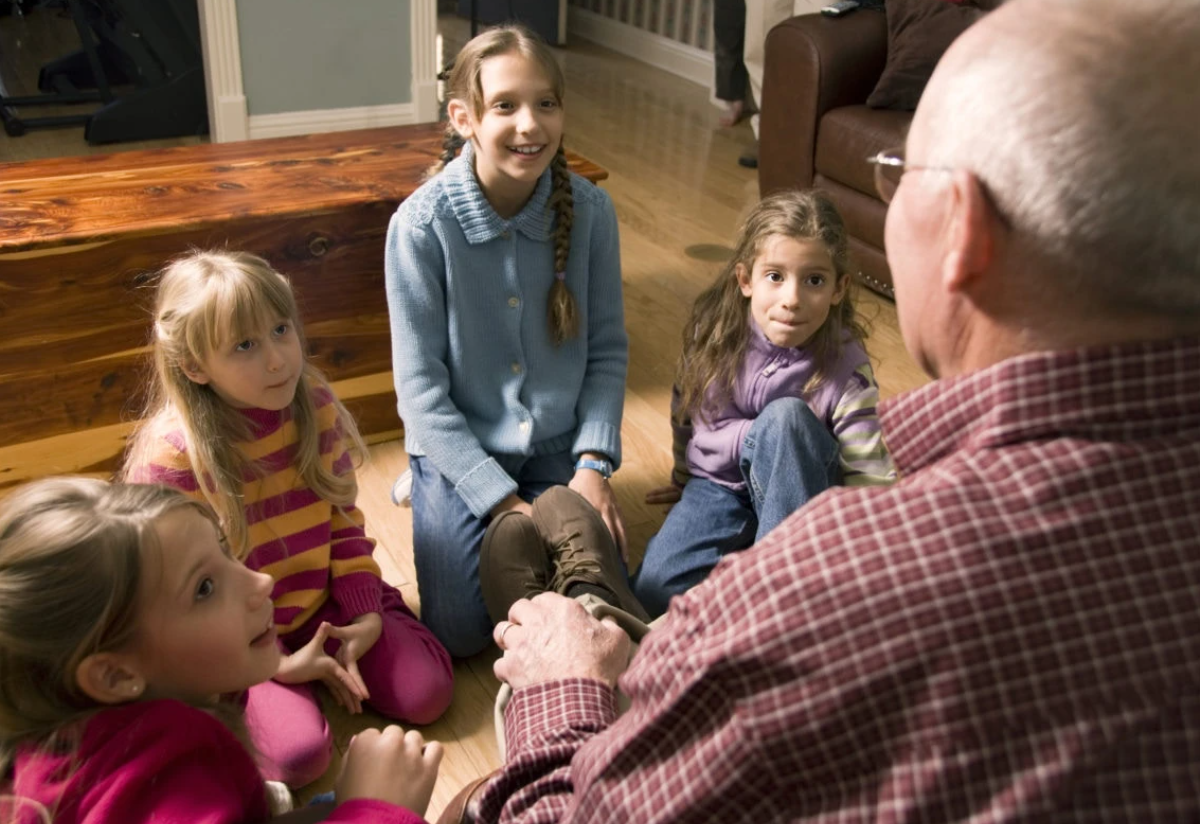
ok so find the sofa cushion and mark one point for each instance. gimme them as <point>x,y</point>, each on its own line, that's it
<point>846,137</point>
<point>919,32</point>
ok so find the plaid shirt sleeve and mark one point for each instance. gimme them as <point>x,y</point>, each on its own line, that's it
<point>546,724</point>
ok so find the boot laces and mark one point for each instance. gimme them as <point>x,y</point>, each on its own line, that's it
<point>573,561</point>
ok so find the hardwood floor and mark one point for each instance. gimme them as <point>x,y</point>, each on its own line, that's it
<point>679,193</point>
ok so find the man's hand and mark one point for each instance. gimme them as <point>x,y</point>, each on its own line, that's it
<point>390,765</point>
<point>553,637</point>
<point>667,495</point>
<point>312,663</point>
<point>357,638</point>
<point>599,493</point>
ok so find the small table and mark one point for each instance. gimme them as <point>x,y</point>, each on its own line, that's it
<point>82,237</point>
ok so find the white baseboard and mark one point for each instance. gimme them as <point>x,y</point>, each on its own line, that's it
<point>331,120</point>
<point>664,53</point>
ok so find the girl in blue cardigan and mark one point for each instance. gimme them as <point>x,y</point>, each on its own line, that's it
<point>508,337</point>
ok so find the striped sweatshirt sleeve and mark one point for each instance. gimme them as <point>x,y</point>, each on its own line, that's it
<point>864,456</point>
<point>355,579</point>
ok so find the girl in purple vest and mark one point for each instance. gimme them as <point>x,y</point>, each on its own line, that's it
<point>774,399</point>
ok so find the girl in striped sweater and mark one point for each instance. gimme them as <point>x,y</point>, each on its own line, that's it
<point>241,420</point>
<point>774,399</point>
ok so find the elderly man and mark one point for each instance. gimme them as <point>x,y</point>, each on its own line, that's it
<point>1012,632</point>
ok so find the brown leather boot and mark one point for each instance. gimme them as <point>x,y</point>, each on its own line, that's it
<point>582,549</point>
<point>513,563</point>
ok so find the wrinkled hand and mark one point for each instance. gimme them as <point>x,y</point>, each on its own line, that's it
<point>515,503</point>
<point>390,765</point>
<point>357,638</point>
<point>599,493</point>
<point>553,637</point>
<point>667,495</point>
<point>312,663</point>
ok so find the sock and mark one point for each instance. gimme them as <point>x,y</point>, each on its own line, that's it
<point>575,590</point>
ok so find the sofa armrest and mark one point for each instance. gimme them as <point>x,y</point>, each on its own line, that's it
<point>813,64</point>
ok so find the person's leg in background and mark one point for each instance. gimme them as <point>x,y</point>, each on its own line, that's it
<point>709,522</point>
<point>446,539</point>
<point>729,31</point>
<point>761,17</point>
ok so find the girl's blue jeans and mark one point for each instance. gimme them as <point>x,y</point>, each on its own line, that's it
<point>446,541</point>
<point>787,458</point>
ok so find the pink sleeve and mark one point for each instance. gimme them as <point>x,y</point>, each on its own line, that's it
<point>356,582</point>
<point>169,764</point>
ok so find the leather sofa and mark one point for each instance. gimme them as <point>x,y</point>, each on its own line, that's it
<point>817,131</point>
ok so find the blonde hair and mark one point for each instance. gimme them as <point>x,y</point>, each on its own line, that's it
<point>205,300</point>
<point>715,337</point>
<point>464,83</point>
<point>71,560</point>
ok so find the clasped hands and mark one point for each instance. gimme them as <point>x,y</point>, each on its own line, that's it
<point>552,637</point>
<point>338,672</point>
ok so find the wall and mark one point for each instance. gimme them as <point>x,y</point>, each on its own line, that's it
<point>315,54</point>
<point>683,21</point>
<point>287,67</point>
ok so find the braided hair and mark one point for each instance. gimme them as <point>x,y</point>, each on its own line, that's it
<point>463,83</point>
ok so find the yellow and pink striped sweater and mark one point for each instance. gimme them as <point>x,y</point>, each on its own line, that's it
<point>313,549</point>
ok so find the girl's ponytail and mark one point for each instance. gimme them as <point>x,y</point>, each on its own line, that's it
<point>562,314</point>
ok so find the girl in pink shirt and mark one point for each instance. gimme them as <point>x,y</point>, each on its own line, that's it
<point>115,667</point>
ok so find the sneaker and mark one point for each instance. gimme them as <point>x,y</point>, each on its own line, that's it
<point>582,549</point>
<point>402,489</point>
<point>512,563</point>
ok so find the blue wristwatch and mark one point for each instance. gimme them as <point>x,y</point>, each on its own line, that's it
<point>603,466</point>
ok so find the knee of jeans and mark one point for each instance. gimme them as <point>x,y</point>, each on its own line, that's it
<point>785,413</point>
<point>649,586</point>
<point>459,631</point>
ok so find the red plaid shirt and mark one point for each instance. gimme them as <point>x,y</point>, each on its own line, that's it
<point>1010,633</point>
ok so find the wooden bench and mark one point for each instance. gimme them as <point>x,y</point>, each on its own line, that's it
<point>81,239</point>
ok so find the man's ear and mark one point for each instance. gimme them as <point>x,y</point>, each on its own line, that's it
<point>971,234</point>
<point>194,372</point>
<point>459,115</point>
<point>743,278</point>
<point>109,678</point>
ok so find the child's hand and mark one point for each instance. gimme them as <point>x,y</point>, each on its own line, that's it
<point>392,765</point>
<point>598,492</point>
<point>666,495</point>
<point>357,638</point>
<point>312,663</point>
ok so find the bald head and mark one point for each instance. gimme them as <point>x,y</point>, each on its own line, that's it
<point>1082,120</point>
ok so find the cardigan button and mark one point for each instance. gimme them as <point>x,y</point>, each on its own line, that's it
<point>514,302</point>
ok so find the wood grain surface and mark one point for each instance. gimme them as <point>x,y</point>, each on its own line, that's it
<point>81,239</point>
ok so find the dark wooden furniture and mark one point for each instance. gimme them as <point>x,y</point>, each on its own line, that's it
<point>81,238</point>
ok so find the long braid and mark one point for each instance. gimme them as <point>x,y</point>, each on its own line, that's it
<point>452,141</point>
<point>561,312</point>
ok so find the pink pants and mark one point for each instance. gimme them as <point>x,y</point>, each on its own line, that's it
<point>407,673</point>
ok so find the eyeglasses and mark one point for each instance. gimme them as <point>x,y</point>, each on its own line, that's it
<point>890,165</point>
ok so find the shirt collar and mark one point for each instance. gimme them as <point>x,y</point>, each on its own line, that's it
<point>1121,391</point>
<point>478,219</point>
